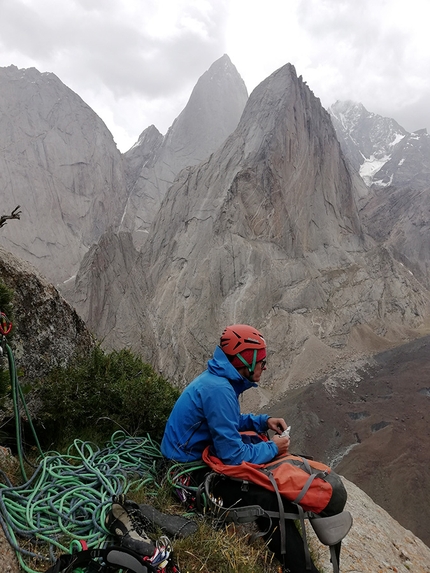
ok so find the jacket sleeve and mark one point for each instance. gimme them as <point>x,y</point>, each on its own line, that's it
<point>222,413</point>
<point>253,422</point>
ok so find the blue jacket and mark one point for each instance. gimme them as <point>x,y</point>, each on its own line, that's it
<point>208,413</point>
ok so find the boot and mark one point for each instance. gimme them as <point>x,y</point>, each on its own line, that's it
<point>126,522</point>
<point>173,525</point>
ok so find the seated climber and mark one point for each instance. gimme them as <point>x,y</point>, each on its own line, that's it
<point>208,414</point>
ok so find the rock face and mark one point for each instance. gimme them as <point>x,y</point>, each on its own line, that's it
<point>211,114</point>
<point>60,164</point>
<point>47,330</point>
<point>107,265</point>
<point>266,231</point>
<point>376,542</point>
<point>399,219</point>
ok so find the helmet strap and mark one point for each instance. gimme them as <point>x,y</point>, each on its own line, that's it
<point>251,367</point>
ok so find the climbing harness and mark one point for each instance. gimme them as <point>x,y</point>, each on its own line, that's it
<point>113,558</point>
<point>5,324</point>
<point>187,482</point>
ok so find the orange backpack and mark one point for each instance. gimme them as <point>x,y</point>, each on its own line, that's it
<point>298,479</point>
<point>309,484</point>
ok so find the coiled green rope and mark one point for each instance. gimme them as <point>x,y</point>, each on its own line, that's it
<point>68,496</point>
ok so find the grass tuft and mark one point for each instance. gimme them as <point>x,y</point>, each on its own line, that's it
<point>223,550</point>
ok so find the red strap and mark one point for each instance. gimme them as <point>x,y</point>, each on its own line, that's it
<point>5,325</point>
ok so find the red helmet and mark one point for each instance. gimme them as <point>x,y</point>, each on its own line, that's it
<point>240,337</point>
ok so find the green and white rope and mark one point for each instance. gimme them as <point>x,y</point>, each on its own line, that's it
<point>68,496</point>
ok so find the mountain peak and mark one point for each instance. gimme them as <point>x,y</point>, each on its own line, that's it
<point>344,106</point>
<point>63,166</point>
<point>349,113</point>
<point>367,139</point>
<point>211,114</point>
<point>224,60</point>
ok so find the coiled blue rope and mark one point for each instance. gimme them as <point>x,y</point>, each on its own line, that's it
<point>68,496</point>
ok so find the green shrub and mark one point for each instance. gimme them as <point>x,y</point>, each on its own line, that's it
<point>102,393</point>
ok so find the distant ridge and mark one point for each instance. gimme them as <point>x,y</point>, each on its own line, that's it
<point>382,151</point>
<point>395,164</point>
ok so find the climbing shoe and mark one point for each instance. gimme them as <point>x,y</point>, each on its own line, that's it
<point>173,525</point>
<point>127,523</point>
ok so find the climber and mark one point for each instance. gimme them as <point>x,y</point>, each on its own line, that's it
<point>208,414</point>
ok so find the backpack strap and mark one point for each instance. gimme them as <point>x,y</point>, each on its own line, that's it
<point>234,514</point>
<point>282,530</point>
<point>312,476</point>
<point>339,526</point>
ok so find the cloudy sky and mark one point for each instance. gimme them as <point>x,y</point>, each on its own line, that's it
<point>135,62</point>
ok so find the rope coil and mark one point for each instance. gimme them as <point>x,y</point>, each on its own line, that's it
<point>69,495</point>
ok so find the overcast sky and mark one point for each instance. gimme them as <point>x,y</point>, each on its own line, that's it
<point>135,62</point>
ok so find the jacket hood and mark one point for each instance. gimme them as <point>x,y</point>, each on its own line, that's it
<point>219,365</point>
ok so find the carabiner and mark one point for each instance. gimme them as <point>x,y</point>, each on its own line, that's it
<point>5,325</point>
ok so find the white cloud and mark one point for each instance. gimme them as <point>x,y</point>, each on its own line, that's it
<point>135,62</point>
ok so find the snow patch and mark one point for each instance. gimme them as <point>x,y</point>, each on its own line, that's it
<point>396,139</point>
<point>371,166</point>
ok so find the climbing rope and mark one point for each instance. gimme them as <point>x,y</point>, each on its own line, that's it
<point>68,496</point>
